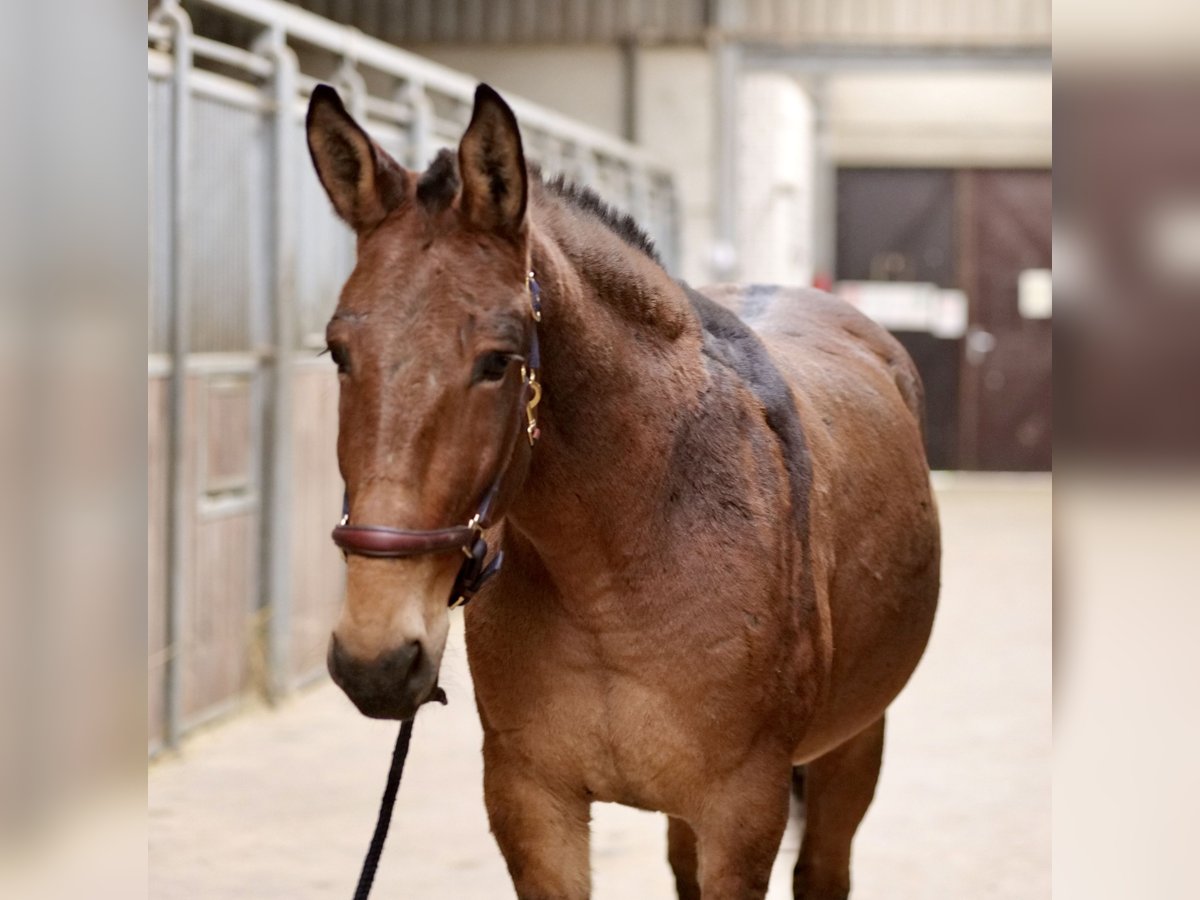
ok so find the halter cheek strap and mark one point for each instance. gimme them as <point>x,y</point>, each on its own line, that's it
<point>381,542</point>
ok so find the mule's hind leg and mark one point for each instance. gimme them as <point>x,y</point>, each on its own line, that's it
<point>838,788</point>
<point>681,853</point>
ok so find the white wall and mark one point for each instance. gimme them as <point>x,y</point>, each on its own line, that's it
<point>675,111</point>
<point>676,121</point>
<point>774,210</point>
<point>945,119</point>
<point>582,82</point>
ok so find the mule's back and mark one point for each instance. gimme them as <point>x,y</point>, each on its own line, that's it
<point>798,319</point>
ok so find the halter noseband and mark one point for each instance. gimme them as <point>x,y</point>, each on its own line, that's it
<point>381,542</point>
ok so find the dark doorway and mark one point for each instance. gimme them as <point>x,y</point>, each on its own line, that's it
<point>898,225</point>
<point>988,398</point>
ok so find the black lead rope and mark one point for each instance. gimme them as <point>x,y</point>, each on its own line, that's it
<point>371,862</point>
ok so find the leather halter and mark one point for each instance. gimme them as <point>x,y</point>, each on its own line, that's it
<point>381,542</point>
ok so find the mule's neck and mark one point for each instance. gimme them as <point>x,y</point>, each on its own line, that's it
<point>621,365</point>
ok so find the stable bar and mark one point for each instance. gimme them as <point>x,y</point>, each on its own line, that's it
<point>728,66</point>
<point>275,512</point>
<point>376,54</point>
<point>178,498</point>
<point>207,48</point>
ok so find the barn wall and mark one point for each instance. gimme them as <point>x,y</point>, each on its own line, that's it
<point>949,119</point>
<point>673,111</point>
<point>581,82</point>
<point>774,180</point>
<point>893,22</point>
<point>677,122</point>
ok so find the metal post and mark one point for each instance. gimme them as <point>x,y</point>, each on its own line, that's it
<point>178,497</point>
<point>674,229</point>
<point>275,513</point>
<point>413,95</point>
<point>352,81</point>
<point>824,188</point>
<point>630,85</point>
<point>724,254</point>
<point>638,197</point>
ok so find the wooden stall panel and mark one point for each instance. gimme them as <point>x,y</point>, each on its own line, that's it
<point>219,622</point>
<point>229,456</point>
<point>318,572</point>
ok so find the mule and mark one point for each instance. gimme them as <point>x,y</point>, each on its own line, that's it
<point>722,552</point>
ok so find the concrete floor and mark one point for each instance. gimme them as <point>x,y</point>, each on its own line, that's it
<point>281,803</point>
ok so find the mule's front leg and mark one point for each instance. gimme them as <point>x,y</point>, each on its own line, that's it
<point>543,833</point>
<point>740,832</point>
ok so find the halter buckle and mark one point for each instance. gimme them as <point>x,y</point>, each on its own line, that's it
<point>476,526</point>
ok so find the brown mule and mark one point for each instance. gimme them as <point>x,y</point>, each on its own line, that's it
<point>721,556</point>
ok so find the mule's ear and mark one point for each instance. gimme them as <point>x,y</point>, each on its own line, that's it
<point>491,163</point>
<point>362,181</point>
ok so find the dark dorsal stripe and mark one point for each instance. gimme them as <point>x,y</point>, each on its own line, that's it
<point>730,341</point>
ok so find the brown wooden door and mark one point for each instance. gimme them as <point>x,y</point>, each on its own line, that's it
<point>1004,229</point>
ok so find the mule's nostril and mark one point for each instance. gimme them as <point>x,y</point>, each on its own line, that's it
<point>393,667</point>
<point>396,665</point>
<point>390,686</point>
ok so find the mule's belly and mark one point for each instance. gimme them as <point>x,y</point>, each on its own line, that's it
<point>879,637</point>
<point>877,593</point>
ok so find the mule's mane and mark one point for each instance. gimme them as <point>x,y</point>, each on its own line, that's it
<point>586,200</point>
<point>440,182</point>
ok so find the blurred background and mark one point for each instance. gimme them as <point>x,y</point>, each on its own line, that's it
<point>895,151</point>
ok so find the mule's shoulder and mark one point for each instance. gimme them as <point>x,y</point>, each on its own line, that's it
<point>729,342</point>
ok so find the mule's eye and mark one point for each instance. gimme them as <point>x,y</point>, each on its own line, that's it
<point>340,357</point>
<point>492,366</point>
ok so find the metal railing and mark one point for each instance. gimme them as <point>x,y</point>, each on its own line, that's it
<point>246,261</point>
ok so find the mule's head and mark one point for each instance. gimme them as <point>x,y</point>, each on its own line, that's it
<point>428,338</point>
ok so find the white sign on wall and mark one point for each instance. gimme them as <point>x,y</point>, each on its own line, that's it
<point>909,306</point>
<point>1035,294</point>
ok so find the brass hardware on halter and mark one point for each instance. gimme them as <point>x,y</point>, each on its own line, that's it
<point>477,527</point>
<point>529,371</point>
<point>530,378</point>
